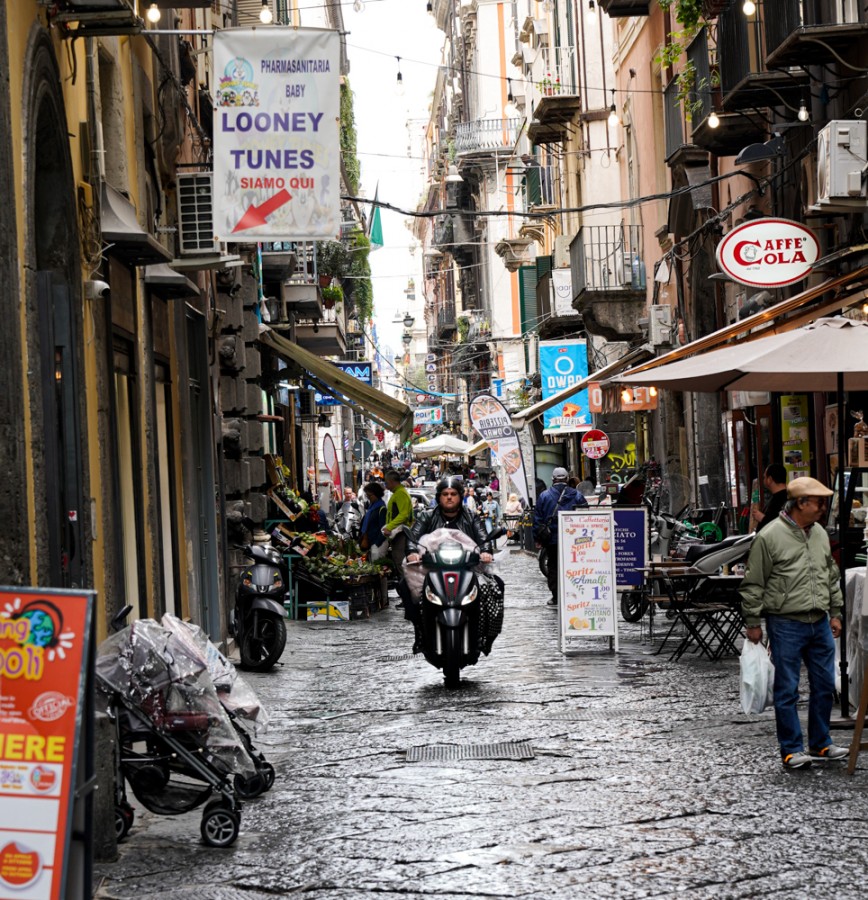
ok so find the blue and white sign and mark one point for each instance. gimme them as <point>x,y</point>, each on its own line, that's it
<point>276,141</point>
<point>428,415</point>
<point>562,363</point>
<point>361,370</point>
<point>631,545</point>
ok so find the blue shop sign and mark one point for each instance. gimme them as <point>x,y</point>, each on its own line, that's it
<point>361,370</point>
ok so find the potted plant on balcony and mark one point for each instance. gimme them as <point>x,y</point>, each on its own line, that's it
<point>331,295</point>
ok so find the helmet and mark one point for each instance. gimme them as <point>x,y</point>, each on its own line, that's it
<point>451,482</point>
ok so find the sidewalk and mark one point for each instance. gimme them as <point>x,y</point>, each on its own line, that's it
<point>646,780</point>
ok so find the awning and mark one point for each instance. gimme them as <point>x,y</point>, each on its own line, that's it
<point>121,230</point>
<point>373,403</point>
<point>535,411</point>
<point>478,447</point>
<point>844,287</point>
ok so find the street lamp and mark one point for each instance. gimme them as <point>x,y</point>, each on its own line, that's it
<point>408,321</point>
<point>407,338</point>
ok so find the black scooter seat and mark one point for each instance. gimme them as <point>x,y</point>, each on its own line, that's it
<point>697,551</point>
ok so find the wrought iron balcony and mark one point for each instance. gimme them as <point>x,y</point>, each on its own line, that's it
<point>446,324</point>
<point>609,279</point>
<point>559,101</point>
<point>326,337</point>
<point>486,135</point>
<point>812,32</point>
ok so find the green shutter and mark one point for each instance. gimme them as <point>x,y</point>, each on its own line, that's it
<point>543,266</point>
<point>532,187</point>
<point>527,279</point>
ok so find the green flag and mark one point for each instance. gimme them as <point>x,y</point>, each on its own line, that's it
<point>376,232</point>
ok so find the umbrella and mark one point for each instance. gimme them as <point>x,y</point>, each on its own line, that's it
<point>443,443</point>
<point>830,354</point>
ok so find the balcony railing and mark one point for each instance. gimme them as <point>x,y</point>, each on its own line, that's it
<point>486,134</point>
<point>701,91</point>
<point>608,258</point>
<point>739,40</point>
<point>446,320</point>
<point>835,26</point>
<point>673,119</point>
<point>559,76</point>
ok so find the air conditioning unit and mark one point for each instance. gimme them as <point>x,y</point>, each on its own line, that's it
<point>307,405</point>
<point>841,161</point>
<point>660,325</point>
<point>196,215</point>
<point>561,254</point>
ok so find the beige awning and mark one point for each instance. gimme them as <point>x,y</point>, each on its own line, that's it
<point>478,447</point>
<point>371,402</point>
<point>535,411</point>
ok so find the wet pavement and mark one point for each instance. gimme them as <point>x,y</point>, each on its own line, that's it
<point>646,780</point>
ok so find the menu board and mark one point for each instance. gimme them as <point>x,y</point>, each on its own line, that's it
<point>586,572</point>
<point>631,545</point>
<point>44,642</point>
<point>795,435</point>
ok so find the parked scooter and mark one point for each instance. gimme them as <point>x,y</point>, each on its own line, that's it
<point>258,618</point>
<point>461,611</point>
<point>348,520</point>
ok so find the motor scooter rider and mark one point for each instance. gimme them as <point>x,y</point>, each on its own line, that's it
<point>448,513</point>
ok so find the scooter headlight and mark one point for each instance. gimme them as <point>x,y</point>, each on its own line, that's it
<point>247,579</point>
<point>431,596</point>
<point>451,553</point>
<point>278,581</point>
<point>470,596</point>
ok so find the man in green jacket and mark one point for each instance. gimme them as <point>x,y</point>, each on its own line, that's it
<point>399,518</point>
<point>793,582</point>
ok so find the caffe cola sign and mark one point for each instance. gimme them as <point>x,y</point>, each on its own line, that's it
<point>768,253</point>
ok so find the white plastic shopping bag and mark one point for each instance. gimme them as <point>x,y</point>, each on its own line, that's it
<point>757,678</point>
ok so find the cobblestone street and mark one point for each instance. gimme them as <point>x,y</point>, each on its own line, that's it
<point>646,779</point>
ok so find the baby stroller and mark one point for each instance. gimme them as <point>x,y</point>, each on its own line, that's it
<point>238,699</point>
<point>176,746</point>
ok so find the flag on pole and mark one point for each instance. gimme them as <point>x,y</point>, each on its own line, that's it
<point>376,232</point>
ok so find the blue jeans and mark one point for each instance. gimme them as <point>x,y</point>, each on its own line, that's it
<point>791,643</point>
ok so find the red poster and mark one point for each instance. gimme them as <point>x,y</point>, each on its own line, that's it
<point>331,460</point>
<point>44,635</point>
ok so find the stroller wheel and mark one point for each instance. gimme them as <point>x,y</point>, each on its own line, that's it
<point>266,770</point>
<point>220,826</point>
<point>248,788</point>
<point>124,816</point>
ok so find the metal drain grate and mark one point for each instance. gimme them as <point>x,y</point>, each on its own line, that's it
<point>453,752</point>
<point>396,658</point>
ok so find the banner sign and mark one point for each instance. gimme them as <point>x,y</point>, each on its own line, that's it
<point>562,363</point>
<point>330,457</point>
<point>587,580</point>
<point>631,546</point>
<point>494,425</point>
<point>795,435</point>
<point>44,646</point>
<point>361,370</point>
<point>276,134</point>
<point>562,291</point>
<point>428,415</point>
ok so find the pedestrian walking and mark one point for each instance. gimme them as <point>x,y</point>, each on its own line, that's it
<point>793,582</point>
<point>399,518</point>
<point>560,497</point>
<point>470,500</point>
<point>371,538</point>
<point>490,512</point>
<point>775,482</point>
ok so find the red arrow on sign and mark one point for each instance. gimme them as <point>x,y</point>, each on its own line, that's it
<point>255,215</point>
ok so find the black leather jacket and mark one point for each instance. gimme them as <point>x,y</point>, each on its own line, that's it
<point>465,521</point>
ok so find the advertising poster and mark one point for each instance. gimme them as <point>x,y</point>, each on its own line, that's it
<point>44,642</point>
<point>631,546</point>
<point>588,592</point>
<point>330,457</point>
<point>360,370</point>
<point>562,363</point>
<point>276,134</point>
<point>494,425</point>
<point>428,415</point>
<point>562,290</point>
<point>795,435</point>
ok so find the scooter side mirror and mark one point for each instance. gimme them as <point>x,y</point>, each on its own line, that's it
<point>496,534</point>
<point>119,620</point>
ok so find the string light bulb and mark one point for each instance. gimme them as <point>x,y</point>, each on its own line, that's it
<point>399,81</point>
<point>153,13</point>
<point>265,15</point>
<point>804,115</point>
<point>652,391</point>
<point>614,121</point>
<point>626,396</point>
<point>748,7</point>
<point>592,8</point>
<point>359,6</point>
<point>714,120</point>
<point>429,7</point>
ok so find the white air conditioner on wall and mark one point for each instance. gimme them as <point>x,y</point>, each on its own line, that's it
<point>196,214</point>
<point>660,324</point>
<point>841,164</point>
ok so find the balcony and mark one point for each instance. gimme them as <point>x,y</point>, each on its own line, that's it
<point>452,231</point>
<point>325,338</point>
<point>560,100</point>
<point>810,32</point>
<point>620,9</point>
<point>96,18</point>
<point>744,81</point>
<point>301,298</point>
<point>279,260</point>
<point>446,326</point>
<point>609,279</point>
<point>482,137</point>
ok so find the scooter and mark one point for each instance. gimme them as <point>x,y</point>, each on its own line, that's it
<point>348,520</point>
<point>258,617</point>
<point>455,627</point>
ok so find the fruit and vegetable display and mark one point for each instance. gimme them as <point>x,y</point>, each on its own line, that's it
<point>327,556</point>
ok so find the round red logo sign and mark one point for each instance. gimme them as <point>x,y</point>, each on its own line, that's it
<point>768,253</point>
<point>595,444</point>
